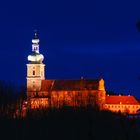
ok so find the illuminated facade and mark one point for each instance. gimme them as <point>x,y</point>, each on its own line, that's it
<point>127,104</point>
<point>35,68</point>
<point>43,93</point>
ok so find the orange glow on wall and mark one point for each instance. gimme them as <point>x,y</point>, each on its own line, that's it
<point>123,104</point>
<point>38,103</point>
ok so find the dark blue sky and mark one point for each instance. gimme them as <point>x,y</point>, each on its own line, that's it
<point>92,39</point>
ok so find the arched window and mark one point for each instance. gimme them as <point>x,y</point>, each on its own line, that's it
<point>33,72</point>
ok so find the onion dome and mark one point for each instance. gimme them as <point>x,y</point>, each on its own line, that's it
<point>35,57</point>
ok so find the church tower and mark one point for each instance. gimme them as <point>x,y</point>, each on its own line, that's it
<point>35,69</point>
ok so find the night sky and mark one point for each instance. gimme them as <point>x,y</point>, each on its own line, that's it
<point>93,39</point>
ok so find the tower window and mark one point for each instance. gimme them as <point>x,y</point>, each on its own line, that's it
<point>33,72</point>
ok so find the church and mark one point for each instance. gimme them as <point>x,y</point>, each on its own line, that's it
<point>46,93</point>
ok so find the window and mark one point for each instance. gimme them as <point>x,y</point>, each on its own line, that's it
<point>33,72</point>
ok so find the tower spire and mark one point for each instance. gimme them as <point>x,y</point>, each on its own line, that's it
<point>35,68</point>
<point>35,43</point>
<point>35,34</point>
<point>35,57</point>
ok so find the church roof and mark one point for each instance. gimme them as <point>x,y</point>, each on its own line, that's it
<point>121,99</point>
<point>46,85</point>
<point>59,85</point>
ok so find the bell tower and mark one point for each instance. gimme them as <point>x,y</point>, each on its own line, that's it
<point>35,68</point>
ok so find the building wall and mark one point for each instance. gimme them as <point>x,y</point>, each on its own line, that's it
<point>38,103</point>
<point>35,74</point>
<point>95,98</point>
<point>101,98</point>
<point>57,99</point>
<point>124,108</point>
<point>73,98</point>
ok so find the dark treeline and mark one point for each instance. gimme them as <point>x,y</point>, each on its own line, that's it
<point>70,124</point>
<point>11,99</point>
<point>67,123</point>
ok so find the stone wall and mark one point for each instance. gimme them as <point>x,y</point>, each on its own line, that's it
<point>58,99</point>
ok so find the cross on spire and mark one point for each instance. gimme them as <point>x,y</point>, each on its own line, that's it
<point>35,34</point>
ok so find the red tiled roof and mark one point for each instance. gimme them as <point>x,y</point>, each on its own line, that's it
<point>114,99</point>
<point>81,84</point>
<point>46,85</point>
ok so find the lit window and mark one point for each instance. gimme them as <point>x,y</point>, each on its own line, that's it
<point>33,72</point>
